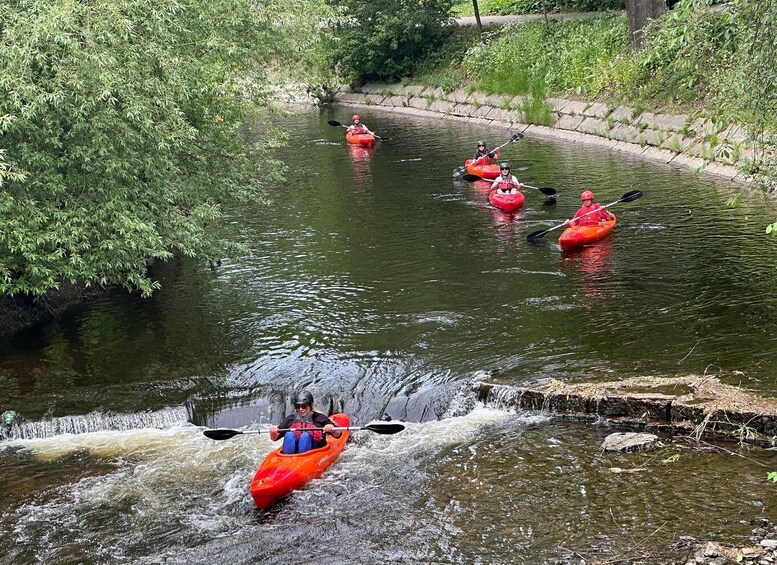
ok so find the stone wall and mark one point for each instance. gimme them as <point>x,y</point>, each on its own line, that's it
<point>676,139</point>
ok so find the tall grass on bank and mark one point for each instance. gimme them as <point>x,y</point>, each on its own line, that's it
<point>552,57</point>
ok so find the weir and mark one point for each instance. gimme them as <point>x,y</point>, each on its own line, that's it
<point>701,406</point>
<point>94,422</point>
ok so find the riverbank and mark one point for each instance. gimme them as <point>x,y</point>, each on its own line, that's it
<point>679,140</point>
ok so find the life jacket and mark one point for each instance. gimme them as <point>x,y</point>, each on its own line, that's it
<point>360,128</point>
<point>481,158</point>
<point>595,214</point>
<point>300,424</point>
<point>506,183</point>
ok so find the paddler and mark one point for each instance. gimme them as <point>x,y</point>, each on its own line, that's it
<point>590,214</point>
<point>297,440</point>
<point>506,182</point>
<point>482,156</point>
<point>357,126</point>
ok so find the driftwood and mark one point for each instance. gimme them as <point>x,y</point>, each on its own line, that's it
<point>693,405</point>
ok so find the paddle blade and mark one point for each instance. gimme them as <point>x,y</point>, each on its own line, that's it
<point>334,123</point>
<point>547,190</point>
<point>631,196</point>
<point>472,178</point>
<point>549,202</point>
<point>385,428</point>
<point>516,137</point>
<point>458,171</point>
<point>221,434</point>
<point>535,236</point>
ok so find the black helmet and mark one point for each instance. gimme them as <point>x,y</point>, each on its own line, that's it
<point>305,398</point>
<point>504,165</point>
<point>481,142</point>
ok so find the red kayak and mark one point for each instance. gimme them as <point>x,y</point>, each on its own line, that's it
<point>578,236</point>
<point>509,202</point>
<point>485,171</point>
<point>279,475</point>
<point>360,138</point>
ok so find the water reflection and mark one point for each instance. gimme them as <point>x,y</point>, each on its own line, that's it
<point>361,156</point>
<point>594,263</point>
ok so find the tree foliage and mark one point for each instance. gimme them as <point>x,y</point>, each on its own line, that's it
<point>383,39</point>
<point>121,130</point>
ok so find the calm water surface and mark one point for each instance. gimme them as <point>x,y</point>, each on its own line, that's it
<point>385,287</point>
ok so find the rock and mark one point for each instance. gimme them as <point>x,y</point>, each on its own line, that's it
<point>628,441</point>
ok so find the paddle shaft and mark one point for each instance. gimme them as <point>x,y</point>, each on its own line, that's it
<point>377,427</point>
<point>513,138</point>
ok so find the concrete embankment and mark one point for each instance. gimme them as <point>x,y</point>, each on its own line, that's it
<point>675,139</point>
<point>695,405</point>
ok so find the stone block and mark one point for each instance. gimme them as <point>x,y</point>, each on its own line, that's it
<point>482,111</point>
<point>567,121</point>
<point>574,107</point>
<point>594,126</point>
<point>502,115</point>
<point>557,104</point>
<point>687,161</point>
<point>721,170</point>
<point>499,100</point>
<point>397,101</point>
<point>597,110</point>
<point>373,88</point>
<point>734,133</point>
<point>623,114</point>
<point>441,106</point>
<point>419,103</point>
<point>668,122</point>
<point>412,90</point>
<point>460,96</point>
<point>349,97</point>
<point>623,132</point>
<point>463,110</point>
<point>651,137</point>
<point>656,154</point>
<point>374,99</point>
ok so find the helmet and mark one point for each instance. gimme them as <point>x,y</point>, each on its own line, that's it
<point>481,142</point>
<point>504,165</point>
<point>304,397</point>
<point>356,117</point>
<point>587,195</point>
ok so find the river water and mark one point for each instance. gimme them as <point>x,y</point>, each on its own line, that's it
<point>385,287</point>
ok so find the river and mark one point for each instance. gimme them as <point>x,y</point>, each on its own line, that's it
<point>384,286</point>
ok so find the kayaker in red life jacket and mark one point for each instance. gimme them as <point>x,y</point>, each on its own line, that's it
<point>589,214</point>
<point>358,126</point>
<point>505,183</point>
<point>482,156</point>
<point>300,441</point>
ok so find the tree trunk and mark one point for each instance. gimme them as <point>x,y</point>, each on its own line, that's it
<point>477,19</point>
<point>639,13</point>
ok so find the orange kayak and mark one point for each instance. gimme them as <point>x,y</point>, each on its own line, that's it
<point>485,171</point>
<point>360,138</point>
<point>578,236</point>
<point>279,475</point>
<point>508,202</point>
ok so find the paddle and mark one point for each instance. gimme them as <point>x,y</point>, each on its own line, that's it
<point>628,197</point>
<point>339,125</point>
<point>543,189</point>
<point>459,171</point>
<point>385,428</point>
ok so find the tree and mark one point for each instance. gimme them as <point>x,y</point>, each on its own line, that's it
<point>122,126</point>
<point>383,39</point>
<point>639,13</point>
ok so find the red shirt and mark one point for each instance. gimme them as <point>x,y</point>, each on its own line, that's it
<point>598,214</point>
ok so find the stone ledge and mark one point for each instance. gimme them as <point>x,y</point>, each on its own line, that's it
<point>701,406</point>
<point>662,138</point>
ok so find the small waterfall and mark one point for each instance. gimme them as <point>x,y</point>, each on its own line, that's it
<point>94,422</point>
